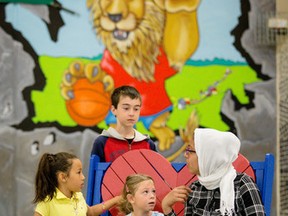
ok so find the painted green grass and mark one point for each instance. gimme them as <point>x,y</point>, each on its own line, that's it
<point>50,106</point>
<point>193,80</point>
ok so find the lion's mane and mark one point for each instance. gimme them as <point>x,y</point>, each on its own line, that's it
<point>138,53</point>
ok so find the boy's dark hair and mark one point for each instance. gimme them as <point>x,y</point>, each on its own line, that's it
<point>124,91</point>
<point>46,176</point>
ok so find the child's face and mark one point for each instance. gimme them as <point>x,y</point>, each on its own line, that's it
<point>75,179</point>
<point>144,199</point>
<point>128,111</point>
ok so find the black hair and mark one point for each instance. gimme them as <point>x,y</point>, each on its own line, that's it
<point>46,180</point>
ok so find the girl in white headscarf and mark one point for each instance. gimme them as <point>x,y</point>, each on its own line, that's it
<point>219,190</point>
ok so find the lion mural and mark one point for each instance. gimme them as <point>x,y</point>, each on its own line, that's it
<point>146,42</point>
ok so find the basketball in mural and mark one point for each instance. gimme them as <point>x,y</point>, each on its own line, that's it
<point>90,104</point>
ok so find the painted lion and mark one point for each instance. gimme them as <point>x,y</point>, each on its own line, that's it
<point>146,42</point>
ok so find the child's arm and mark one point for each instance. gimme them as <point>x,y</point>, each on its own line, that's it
<point>102,207</point>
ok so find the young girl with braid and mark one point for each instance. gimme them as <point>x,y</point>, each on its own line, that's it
<point>59,181</point>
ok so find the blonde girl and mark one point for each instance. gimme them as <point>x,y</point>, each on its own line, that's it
<point>139,196</point>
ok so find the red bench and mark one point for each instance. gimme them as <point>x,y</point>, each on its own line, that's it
<point>107,179</point>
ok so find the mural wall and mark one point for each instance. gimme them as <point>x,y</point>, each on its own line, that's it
<point>59,65</point>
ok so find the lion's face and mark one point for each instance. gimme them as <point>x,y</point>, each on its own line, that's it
<point>132,31</point>
<point>121,17</point>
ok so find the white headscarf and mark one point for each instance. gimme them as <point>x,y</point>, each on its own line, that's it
<point>216,151</point>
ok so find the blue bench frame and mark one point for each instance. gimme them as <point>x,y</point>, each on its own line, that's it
<point>264,172</point>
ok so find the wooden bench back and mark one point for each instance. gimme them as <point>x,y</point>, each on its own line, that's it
<point>106,180</point>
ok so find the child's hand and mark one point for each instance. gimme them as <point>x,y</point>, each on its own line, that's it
<point>178,194</point>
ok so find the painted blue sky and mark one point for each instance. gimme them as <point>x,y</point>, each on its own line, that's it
<point>216,20</point>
